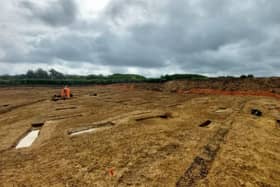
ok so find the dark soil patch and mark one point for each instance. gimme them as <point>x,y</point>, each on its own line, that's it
<point>206,123</point>
<point>37,124</point>
<point>162,116</point>
<point>201,164</point>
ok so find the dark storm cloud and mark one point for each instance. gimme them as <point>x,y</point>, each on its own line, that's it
<point>57,13</point>
<point>214,37</point>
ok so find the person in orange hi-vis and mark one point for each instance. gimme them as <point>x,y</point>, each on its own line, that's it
<point>62,93</point>
<point>65,92</point>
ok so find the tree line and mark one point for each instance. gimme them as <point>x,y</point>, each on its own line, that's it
<point>54,77</point>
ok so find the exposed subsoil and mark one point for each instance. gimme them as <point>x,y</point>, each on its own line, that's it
<point>144,137</point>
<point>234,93</point>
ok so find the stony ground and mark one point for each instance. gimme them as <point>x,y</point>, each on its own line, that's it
<point>145,138</point>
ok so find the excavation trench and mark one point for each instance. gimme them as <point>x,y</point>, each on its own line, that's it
<point>30,137</point>
<point>206,123</point>
<point>66,108</point>
<point>57,117</point>
<point>278,123</point>
<point>151,116</point>
<point>223,110</point>
<point>91,129</point>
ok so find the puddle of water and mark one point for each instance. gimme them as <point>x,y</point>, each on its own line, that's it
<point>256,112</point>
<point>28,139</point>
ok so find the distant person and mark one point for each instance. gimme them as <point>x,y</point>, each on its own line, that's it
<point>65,92</point>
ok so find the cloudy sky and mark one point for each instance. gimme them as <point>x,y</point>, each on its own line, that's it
<point>148,37</point>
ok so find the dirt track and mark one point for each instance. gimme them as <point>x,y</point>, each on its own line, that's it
<point>153,138</point>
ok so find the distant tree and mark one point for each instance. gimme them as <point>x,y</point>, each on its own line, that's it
<point>250,76</point>
<point>230,77</point>
<point>183,76</point>
<point>125,77</point>
<point>41,74</point>
<point>53,74</point>
<point>5,76</point>
<point>243,76</point>
<point>95,77</point>
<point>246,76</point>
<point>30,74</point>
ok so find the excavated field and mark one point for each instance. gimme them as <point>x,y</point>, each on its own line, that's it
<point>126,136</point>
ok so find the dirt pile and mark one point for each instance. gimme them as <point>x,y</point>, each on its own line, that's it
<point>253,84</point>
<point>236,93</point>
<point>269,87</point>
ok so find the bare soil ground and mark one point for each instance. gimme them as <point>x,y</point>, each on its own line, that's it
<point>143,138</point>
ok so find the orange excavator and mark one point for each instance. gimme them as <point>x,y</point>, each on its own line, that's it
<point>65,93</point>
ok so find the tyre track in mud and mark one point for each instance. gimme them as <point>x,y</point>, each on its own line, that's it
<point>9,109</point>
<point>135,176</point>
<point>202,163</point>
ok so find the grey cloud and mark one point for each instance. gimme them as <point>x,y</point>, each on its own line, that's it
<point>57,13</point>
<point>209,37</point>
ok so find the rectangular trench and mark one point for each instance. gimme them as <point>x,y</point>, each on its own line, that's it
<point>99,126</point>
<point>31,136</point>
<point>28,140</point>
